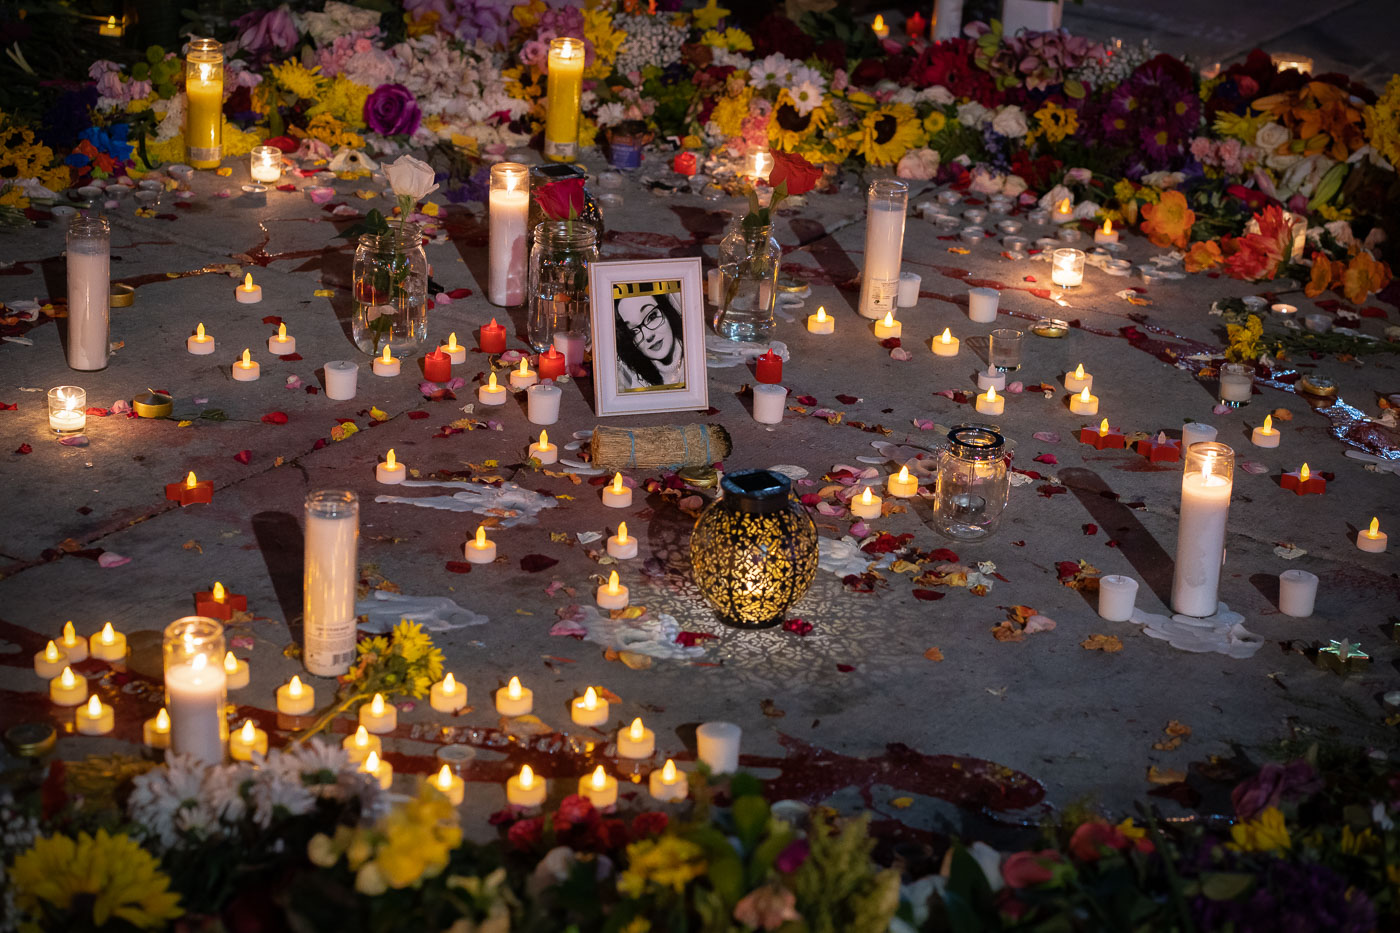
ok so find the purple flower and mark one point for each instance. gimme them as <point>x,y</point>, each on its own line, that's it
<point>392,111</point>
<point>266,30</point>
<point>1289,898</point>
<point>791,858</point>
<point>1271,785</point>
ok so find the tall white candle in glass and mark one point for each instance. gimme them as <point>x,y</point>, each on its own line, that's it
<point>509,209</point>
<point>195,688</point>
<point>328,618</point>
<point>89,292</point>
<point>886,203</point>
<point>1200,537</point>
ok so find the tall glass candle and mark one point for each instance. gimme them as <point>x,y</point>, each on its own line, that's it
<point>89,292</point>
<point>195,688</point>
<point>204,103</point>
<point>566,60</point>
<point>328,617</point>
<point>886,203</point>
<point>1200,537</point>
<point>510,211</point>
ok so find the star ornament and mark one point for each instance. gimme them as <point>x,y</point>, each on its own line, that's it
<point>709,15</point>
<point>1345,650</point>
<point>1343,657</point>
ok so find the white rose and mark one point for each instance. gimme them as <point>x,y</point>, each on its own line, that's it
<point>1013,186</point>
<point>411,178</point>
<point>985,181</point>
<point>918,165</point>
<point>938,94</point>
<point>1271,136</point>
<point>972,114</point>
<point>1054,196</point>
<point>1280,162</point>
<point>1010,122</point>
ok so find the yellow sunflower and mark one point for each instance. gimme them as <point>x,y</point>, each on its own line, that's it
<point>788,129</point>
<point>887,132</point>
<point>1057,122</point>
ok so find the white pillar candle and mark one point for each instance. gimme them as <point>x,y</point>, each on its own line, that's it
<point>909,283</point>
<point>612,595</point>
<point>1117,596</point>
<point>94,717</point>
<point>246,742</point>
<point>523,376</point>
<point>542,403</point>
<point>1265,435</point>
<point>359,745</point>
<point>279,344</point>
<point>867,504</point>
<point>636,741</point>
<point>821,322</point>
<point>1206,485</point>
<point>330,577</point>
<point>888,327</point>
<point>51,661</point>
<point>341,379</point>
<point>768,402</point>
<point>616,495</point>
<point>621,545</point>
<point>1078,380</point>
<point>718,746</point>
<point>236,672</point>
<point>194,694</point>
<point>543,451</point>
<point>514,699</point>
<point>886,203</point>
<point>573,347</point>
<point>73,645</point>
<point>509,210</point>
<point>390,472</point>
<point>248,293</point>
<point>447,695</point>
<point>68,689</point>
<point>382,771</point>
<point>155,732</point>
<point>714,286</point>
<point>378,716</point>
<point>295,698</point>
<point>990,403</point>
<point>599,787</point>
<point>1372,540</point>
<point>1297,591</point>
<point>201,344</point>
<point>385,364</point>
<point>1195,432</point>
<point>945,344</point>
<point>901,485</point>
<point>491,394</point>
<point>108,644</point>
<point>1082,403</point>
<point>479,550</point>
<point>525,789</point>
<point>982,305</point>
<point>89,293</point>
<point>456,353</point>
<point>589,709</point>
<point>992,378</point>
<point>668,783</point>
<point>449,785</point>
<point>246,369</point>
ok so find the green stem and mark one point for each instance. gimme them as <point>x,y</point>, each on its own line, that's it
<point>329,715</point>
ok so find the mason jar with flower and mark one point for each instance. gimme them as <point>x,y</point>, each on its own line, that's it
<point>391,270</point>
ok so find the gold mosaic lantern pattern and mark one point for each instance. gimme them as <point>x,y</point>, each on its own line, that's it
<point>754,551</point>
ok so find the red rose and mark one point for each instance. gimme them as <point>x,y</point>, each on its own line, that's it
<point>1023,869</point>
<point>561,200</point>
<point>1091,839</point>
<point>575,809</point>
<point>800,175</point>
<point>649,823</point>
<point>526,834</point>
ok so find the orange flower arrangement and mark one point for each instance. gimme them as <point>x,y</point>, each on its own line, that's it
<point>1204,254</point>
<point>1320,114</point>
<point>1168,222</point>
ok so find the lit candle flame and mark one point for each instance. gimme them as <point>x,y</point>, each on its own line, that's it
<point>389,461</point>
<point>524,366</point>
<point>1374,532</point>
<point>621,532</point>
<point>449,684</point>
<point>879,23</point>
<point>282,334</point>
<point>991,393</point>
<point>371,764</point>
<point>544,440</point>
<point>361,737</point>
<point>947,336</point>
<point>94,707</point>
<point>162,720</point>
<point>1304,473</point>
<point>600,778</point>
<point>190,480</point>
<point>230,663</point>
<point>294,689</point>
<point>108,636</point>
<point>865,497</point>
<point>199,662</point>
<point>70,635</point>
<point>444,779</point>
<point>513,688</point>
<point>1064,207</point>
<point>249,731</point>
<point>1084,395</point>
<point>452,341</point>
<point>590,699</point>
<point>617,483</point>
<point>527,777</point>
<point>247,359</point>
<point>51,650</point>
<point>66,679</point>
<point>218,592</point>
<point>668,772</point>
<point>612,582</point>
<point>491,386</point>
<point>904,473</point>
<point>481,536</point>
<point>111,22</point>
<point>1107,226</point>
<point>1268,424</point>
<point>821,313</point>
<point>199,333</point>
<point>376,706</point>
<point>1207,466</point>
<point>1079,371</point>
<point>387,358</point>
<point>636,732</point>
<point>247,282</point>
<point>1103,427</point>
<point>889,319</point>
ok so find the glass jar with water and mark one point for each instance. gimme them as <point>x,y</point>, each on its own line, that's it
<point>391,291</point>
<point>748,263</point>
<point>558,291</point>
<point>972,484</point>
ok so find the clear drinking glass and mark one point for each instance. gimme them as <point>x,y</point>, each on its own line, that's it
<point>748,265</point>
<point>558,290</point>
<point>391,291</point>
<point>1004,349</point>
<point>972,486</point>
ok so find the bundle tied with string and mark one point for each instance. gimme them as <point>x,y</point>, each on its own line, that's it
<point>671,447</point>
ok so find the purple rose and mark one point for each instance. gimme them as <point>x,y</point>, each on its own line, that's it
<point>392,111</point>
<point>1273,784</point>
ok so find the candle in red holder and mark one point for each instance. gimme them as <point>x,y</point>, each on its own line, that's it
<point>437,366</point>
<point>1160,449</point>
<point>219,604</point>
<point>551,364</point>
<point>685,163</point>
<point>493,338</point>
<point>1304,482</point>
<point>190,491</point>
<point>769,368</point>
<point>1103,437</point>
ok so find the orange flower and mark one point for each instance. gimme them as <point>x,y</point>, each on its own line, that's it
<point>1319,113</point>
<point>1168,222</point>
<point>1204,255</point>
<point>1322,276</point>
<point>1364,276</point>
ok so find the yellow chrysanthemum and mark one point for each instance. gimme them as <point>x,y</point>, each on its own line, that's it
<point>788,129</point>
<point>1241,126</point>
<point>12,196</point>
<point>110,875</point>
<point>1056,122</point>
<point>587,133</point>
<point>23,157</point>
<point>735,40</point>
<point>1383,122</point>
<point>607,42</point>
<point>295,77</point>
<point>528,14</point>
<point>887,132</point>
<point>669,861</point>
<point>333,133</point>
<point>1266,833</point>
<point>730,112</point>
<point>237,142</point>
<point>345,100</point>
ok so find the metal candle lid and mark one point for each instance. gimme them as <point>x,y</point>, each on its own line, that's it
<point>976,442</point>
<point>757,490</point>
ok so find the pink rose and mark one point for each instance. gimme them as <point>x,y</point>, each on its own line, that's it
<point>1023,869</point>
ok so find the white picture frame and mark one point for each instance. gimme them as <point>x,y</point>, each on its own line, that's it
<point>648,319</point>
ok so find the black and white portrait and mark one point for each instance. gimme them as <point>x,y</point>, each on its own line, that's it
<point>650,336</point>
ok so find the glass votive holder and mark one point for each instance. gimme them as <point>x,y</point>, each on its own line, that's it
<point>1236,384</point>
<point>67,409</point>
<point>265,165</point>
<point>1067,267</point>
<point>1004,349</point>
<point>1040,216</point>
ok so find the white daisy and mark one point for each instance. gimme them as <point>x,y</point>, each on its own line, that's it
<point>806,97</point>
<point>769,72</point>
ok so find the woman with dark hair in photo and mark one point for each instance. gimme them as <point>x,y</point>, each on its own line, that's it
<point>650,342</point>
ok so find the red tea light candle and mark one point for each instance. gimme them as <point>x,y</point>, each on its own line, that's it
<point>1160,449</point>
<point>95,717</point>
<point>636,741</point>
<point>945,344</point>
<point>600,788</point>
<point>768,368</point>
<point>108,644</point>
<point>668,783</point>
<point>68,689</point>
<point>551,364</point>
<point>201,344</point>
<point>51,661</point>
<point>379,717</point>
<point>1078,380</point>
<point>524,377</point>
<point>381,770</point>
<point>455,352</point>
<point>190,491</point>
<point>219,603</point>
<point>867,504</point>
<point>616,495</point>
<point>821,322</point>
<point>525,789</point>
<point>1372,540</point>
<point>1103,437</point>
<point>1106,235</point>
<point>589,709</point>
<point>479,550</point>
<point>359,745</point>
<point>990,403</point>
<point>901,485</point>
<point>248,293</point>
<point>1303,482</point>
<point>492,394</point>
<point>390,472</point>
<point>247,742</point>
<point>621,545</point>
<point>612,595</point>
<point>295,698</point>
<point>450,786</point>
<point>543,451</point>
<point>236,672</point>
<point>386,365</point>
<point>279,344</point>
<point>246,369</point>
<point>1265,435</point>
<point>73,645</point>
<point>437,366</point>
<point>155,732</point>
<point>1084,403</point>
<point>492,338</point>
<point>447,695</point>
<point>514,699</point>
<point>888,327</point>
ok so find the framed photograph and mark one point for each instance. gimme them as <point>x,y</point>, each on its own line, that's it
<point>648,336</point>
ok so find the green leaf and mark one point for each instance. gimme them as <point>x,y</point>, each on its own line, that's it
<point>727,877</point>
<point>1074,89</point>
<point>1331,183</point>
<point>750,818</point>
<point>745,785</point>
<point>1226,886</point>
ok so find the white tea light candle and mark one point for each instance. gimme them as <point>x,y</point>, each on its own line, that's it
<point>68,689</point>
<point>201,344</point>
<point>279,344</point>
<point>359,745</point>
<point>1372,540</point>
<point>378,716</point>
<point>525,789</point>
<point>247,742</point>
<point>390,472</point>
<point>1297,592</point>
<point>514,699</point>
<point>248,293</point>
<point>108,644</point>
<point>543,451</point>
<point>50,661</point>
<point>621,545</point>
<point>668,783</point>
<point>946,344</point>
<point>94,718</point>
<point>73,645</point>
<point>236,672</point>
<point>479,550</point>
<point>589,709</point>
<point>600,788</point>
<point>636,741</point>
<point>1117,597</point>
<point>612,595</point>
<point>616,495</point>
<point>385,364</point>
<point>246,369</point>
<point>295,698</point>
<point>342,378</point>
<point>447,695</point>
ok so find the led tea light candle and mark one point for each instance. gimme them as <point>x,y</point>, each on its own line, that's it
<point>67,409</point>
<point>563,93</point>
<point>901,485</point>
<point>1063,212</point>
<point>508,208</point>
<point>108,644</point>
<point>379,717</point>
<point>600,788</point>
<point>887,203</point>
<point>73,645</point>
<point>342,379</point>
<point>616,495</point>
<point>50,661</point>
<point>155,732</point>
<point>1067,267</point>
<point>636,741</point>
<point>491,394</point>
<point>589,709</point>
<point>1206,484</point>
<point>525,789</point>
<point>246,369</point>
<point>456,353</point>
<point>888,327</point>
<point>551,364</point>
<point>248,293</point>
<point>1106,235</point>
<point>543,451</point>
<point>909,283</point>
<point>1084,403</point>
<point>279,344</point>
<point>879,28</point>
<point>236,672</point>
<point>450,786</point>
<point>201,344</point>
<point>821,322</point>
<point>514,700</point>
<point>768,368</point>
<point>542,401</point>
<point>982,305</point>
<point>295,698</point>
<point>359,745</point>
<point>247,742</point>
<point>191,491</point>
<point>1265,435</point>
<point>95,717</point>
<point>204,103</point>
<point>1160,449</point>
<point>437,366</point>
<point>1297,592</point>
<point>219,603</point>
<point>492,338</point>
<point>1103,437</point>
<point>1372,541</point>
<point>382,771</point>
<point>612,595</point>
<point>68,689</point>
<point>385,364</point>
<point>390,472</point>
<point>479,550</point>
<point>946,344</point>
<point>195,686</point>
<point>110,29</point>
<point>867,504</point>
<point>447,695</point>
<point>668,783</point>
<point>265,165</point>
<point>993,378</point>
<point>1079,380</point>
<point>1285,61</point>
<point>1117,597</point>
<point>1304,482</point>
<point>524,377</point>
<point>620,545</point>
<point>768,403</point>
<point>990,403</point>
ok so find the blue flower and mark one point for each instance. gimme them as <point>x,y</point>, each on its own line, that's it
<point>110,141</point>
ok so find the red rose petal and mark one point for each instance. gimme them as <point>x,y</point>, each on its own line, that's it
<point>534,563</point>
<point>290,358</point>
<point>928,595</point>
<point>417,415</point>
<point>6,406</point>
<point>458,293</point>
<point>272,319</point>
<point>458,566</point>
<point>1091,529</point>
<point>275,417</point>
<point>24,449</point>
<point>243,456</point>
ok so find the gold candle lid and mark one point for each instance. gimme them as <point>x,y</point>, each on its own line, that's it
<point>700,477</point>
<point>121,296</point>
<point>1050,327</point>
<point>152,404</point>
<point>31,739</point>
<point>1317,386</point>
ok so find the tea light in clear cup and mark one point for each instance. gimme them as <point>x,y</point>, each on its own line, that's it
<point>636,741</point>
<point>542,403</point>
<point>382,771</point>
<point>248,293</point>
<point>265,165</point>
<point>1265,435</point>
<point>456,353</point>
<point>982,305</point>
<point>821,322</point>
<point>449,785</point>
<point>390,472</point>
<point>668,783</point>
<point>1117,597</point>
<point>94,717</point>
<point>279,344</point>
<point>155,732</point>
<point>67,409</point>
<point>68,689</point>
<point>621,545</point>
<point>108,644</point>
<point>1079,380</point>
<point>201,344</point>
<point>600,788</point>
<point>888,327</point>
<point>589,709</point>
<point>992,378</point>
<point>524,377</point>
<point>479,550</point>
<point>244,743</point>
<point>990,403</point>
<point>491,394</point>
<point>866,505</point>
<point>379,717</point>
<point>1297,593</point>
<point>236,672</point>
<point>514,700</point>
<point>901,485</point>
<point>1372,540</point>
<point>945,344</point>
<point>611,595</point>
<point>246,369</point>
<point>73,645</point>
<point>616,495</point>
<point>525,789</point>
<point>447,695</point>
<point>1106,234</point>
<point>1084,403</point>
<point>295,698</point>
<point>359,745</point>
<point>50,661</point>
<point>543,451</point>
<point>385,364</point>
<point>1283,309</point>
<point>1067,267</point>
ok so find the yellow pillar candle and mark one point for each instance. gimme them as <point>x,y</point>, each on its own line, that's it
<point>526,790</point>
<point>636,741</point>
<point>379,717</point>
<point>359,745</point>
<point>155,732</point>
<point>246,742</point>
<point>564,92</point>
<point>50,662</point>
<point>668,783</point>
<point>451,786</point>
<point>381,769</point>
<point>96,718</point>
<point>448,696</point>
<point>204,103</point>
<point>68,689</point>
<point>72,644</point>
<point>903,486</point>
<point>599,787</point>
<point>589,709</point>
<point>514,700</point>
<point>108,644</point>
